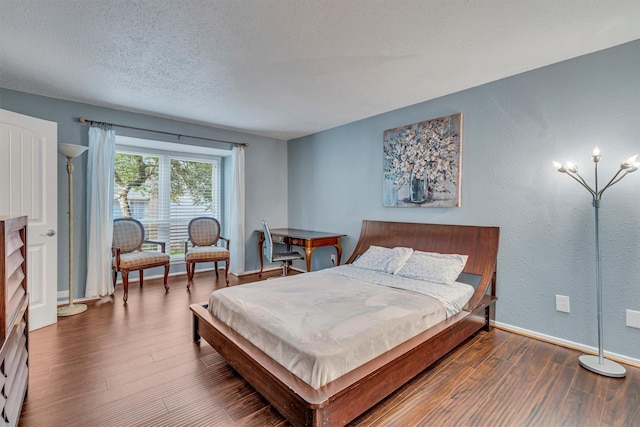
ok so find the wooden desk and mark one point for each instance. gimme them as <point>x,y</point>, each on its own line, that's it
<point>309,240</point>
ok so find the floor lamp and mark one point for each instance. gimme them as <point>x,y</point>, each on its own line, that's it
<point>599,364</point>
<point>70,151</point>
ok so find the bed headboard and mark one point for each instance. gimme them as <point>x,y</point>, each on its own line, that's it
<point>479,243</point>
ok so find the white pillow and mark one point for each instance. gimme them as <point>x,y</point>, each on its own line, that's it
<point>434,267</point>
<point>382,259</point>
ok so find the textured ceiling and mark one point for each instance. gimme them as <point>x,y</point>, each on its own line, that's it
<point>288,68</point>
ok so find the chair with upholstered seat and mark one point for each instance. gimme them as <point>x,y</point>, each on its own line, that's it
<point>128,238</point>
<point>202,246</point>
<point>284,257</point>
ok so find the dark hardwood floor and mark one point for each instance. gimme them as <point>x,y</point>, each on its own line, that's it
<point>135,365</point>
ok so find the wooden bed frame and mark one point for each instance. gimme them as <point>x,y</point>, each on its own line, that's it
<point>347,397</point>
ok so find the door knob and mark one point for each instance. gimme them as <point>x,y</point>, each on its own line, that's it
<point>49,233</point>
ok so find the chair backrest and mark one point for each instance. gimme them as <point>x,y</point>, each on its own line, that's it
<point>204,231</point>
<point>268,241</point>
<point>128,234</point>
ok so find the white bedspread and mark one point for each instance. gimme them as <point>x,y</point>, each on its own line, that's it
<point>323,324</point>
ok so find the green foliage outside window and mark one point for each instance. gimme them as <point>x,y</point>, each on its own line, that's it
<point>134,172</point>
<point>140,173</point>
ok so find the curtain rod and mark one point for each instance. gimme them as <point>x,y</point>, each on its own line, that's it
<point>92,122</point>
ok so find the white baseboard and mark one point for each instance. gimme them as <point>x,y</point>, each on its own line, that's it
<point>568,344</point>
<point>63,298</point>
<point>265,270</point>
<point>249,273</point>
<point>160,276</point>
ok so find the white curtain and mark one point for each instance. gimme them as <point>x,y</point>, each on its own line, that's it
<point>237,231</point>
<point>100,176</point>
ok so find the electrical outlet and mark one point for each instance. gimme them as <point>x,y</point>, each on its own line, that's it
<point>633,319</point>
<point>333,259</point>
<point>562,304</point>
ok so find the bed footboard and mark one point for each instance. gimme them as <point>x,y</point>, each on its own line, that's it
<point>347,397</point>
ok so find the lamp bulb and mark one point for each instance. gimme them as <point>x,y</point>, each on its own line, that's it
<point>559,166</point>
<point>634,167</point>
<point>596,155</point>
<point>571,167</point>
<point>629,162</point>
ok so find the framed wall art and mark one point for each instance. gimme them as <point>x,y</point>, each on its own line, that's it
<point>422,164</point>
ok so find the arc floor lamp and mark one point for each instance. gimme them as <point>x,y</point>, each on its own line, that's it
<point>599,364</point>
<point>71,151</point>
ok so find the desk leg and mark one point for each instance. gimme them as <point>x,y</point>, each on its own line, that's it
<point>338,247</point>
<point>308,251</point>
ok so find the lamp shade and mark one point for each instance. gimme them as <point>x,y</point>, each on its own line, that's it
<point>71,150</point>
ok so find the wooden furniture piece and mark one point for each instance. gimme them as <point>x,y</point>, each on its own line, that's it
<point>284,257</point>
<point>309,240</point>
<point>204,235</point>
<point>14,318</point>
<point>345,398</point>
<point>128,238</point>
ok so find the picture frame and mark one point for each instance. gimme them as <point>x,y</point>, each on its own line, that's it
<point>422,164</point>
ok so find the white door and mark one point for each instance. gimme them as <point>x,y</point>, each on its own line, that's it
<point>29,186</point>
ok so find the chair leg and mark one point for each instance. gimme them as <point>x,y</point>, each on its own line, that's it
<point>141,276</point>
<point>166,276</point>
<point>284,268</point>
<point>115,277</point>
<point>125,284</point>
<point>216,268</point>
<point>226,272</point>
<point>187,267</point>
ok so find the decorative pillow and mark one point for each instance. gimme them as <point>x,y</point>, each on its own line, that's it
<point>382,259</point>
<point>434,267</point>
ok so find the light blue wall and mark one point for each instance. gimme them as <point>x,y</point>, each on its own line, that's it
<point>266,170</point>
<point>513,129</point>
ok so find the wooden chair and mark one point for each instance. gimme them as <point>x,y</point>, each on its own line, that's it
<point>202,246</point>
<point>128,238</point>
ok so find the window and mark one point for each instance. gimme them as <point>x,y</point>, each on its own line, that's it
<point>165,189</point>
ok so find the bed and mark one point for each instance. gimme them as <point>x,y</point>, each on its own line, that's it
<point>347,396</point>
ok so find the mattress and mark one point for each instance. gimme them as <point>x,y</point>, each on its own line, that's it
<point>323,324</point>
